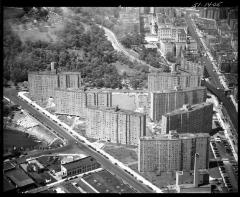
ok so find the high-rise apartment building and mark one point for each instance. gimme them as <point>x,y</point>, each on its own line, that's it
<point>167,101</point>
<point>70,102</point>
<point>115,125</point>
<point>74,101</point>
<point>189,119</point>
<point>101,98</point>
<point>173,152</point>
<point>210,12</point>
<point>191,66</point>
<point>168,81</point>
<point>42,84</point>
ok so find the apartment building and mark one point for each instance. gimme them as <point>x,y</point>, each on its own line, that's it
<point>173,152</point>
<point>191,66</point>
<point>166,101</point>
<point>74,101</point>
<point>168,81</point>
<point>71,102</point>
<point>210,12</point>
<point>42,84</point>
<point>189,119</point>
<point>115,125</point>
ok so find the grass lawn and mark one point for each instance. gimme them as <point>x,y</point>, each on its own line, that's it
<point>124,154</point>
<point>124,68</point>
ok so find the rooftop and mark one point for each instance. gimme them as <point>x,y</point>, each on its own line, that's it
<point>171,74</point>
<point>177,136</point>
<point>7,165</point>
<point>19,177</point>
<point>179,90</point>
<point>76,163</point>
<point>187,108</point>
<point>102,90</point>
<point>116,110</point>
<point>201,189</point>
<point>53,72</point>
<point>105,182</point>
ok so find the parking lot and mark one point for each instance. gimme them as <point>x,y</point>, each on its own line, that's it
<point>226,164</point>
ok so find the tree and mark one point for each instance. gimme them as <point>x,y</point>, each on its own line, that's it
<point>170,57</point>
<point>156,28</point>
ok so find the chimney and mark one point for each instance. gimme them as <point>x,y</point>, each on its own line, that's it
<point>196,171</point>
<point>173,68</point>
<point>117,108</point>
<point>52,66</point>
<point>179,178</point>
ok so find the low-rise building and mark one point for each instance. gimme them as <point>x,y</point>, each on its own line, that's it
<point>20,179</point>
<point>79,166</point>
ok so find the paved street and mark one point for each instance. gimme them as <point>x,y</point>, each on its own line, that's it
<point>118,46</point>
<point>102,160</point>
<point>214,78</point>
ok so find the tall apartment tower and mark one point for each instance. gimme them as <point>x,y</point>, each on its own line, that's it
<point>168,81</point>
<point>189,119</point>
<point>42,84</point>
<point>173,152</point>
<point>69,80</point>
<point>166,101</point>
<point>71,102</point>
<point>115,125</point>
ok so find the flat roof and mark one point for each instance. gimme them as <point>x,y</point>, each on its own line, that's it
<point>171,74</point>
<point>184,110</point>
<point>113,109</point>
<point>180,90</point>
<point>75,163</point>
<point>105,182</point>
<point>52,72</point>
<point>7,165</point>
<point>101,90</point>
<point>200,189</point>
<point>19,177</point>
<point>180,136</point>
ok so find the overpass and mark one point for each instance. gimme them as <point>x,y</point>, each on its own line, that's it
<point>220,94</point>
